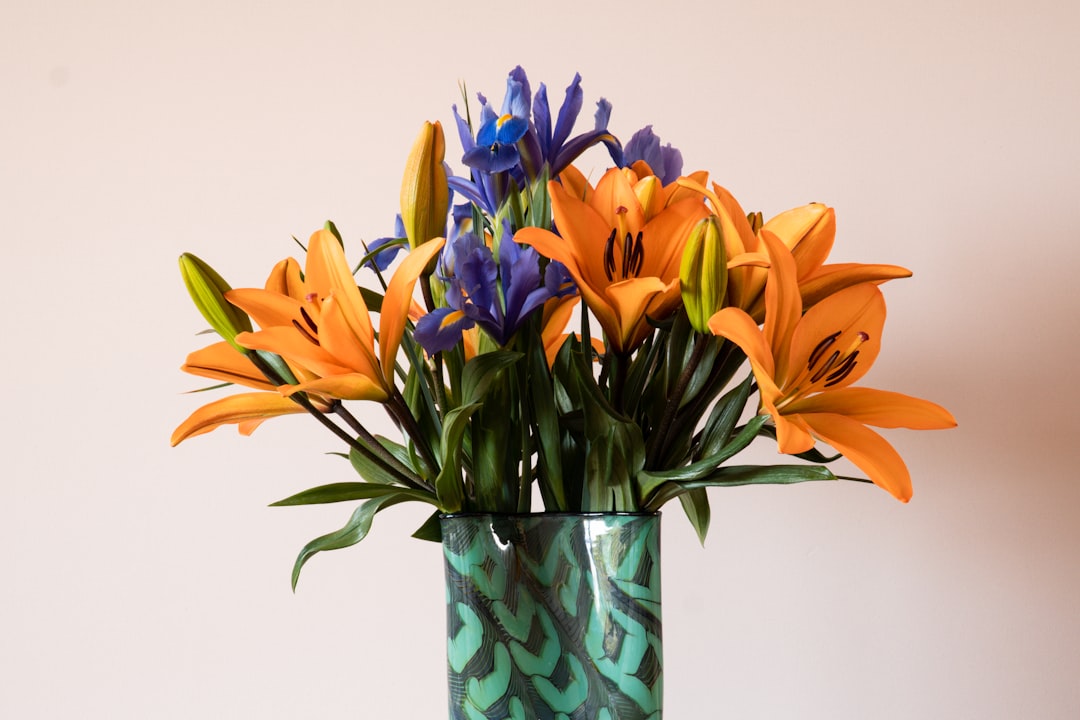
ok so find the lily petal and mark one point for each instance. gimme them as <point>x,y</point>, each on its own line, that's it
<point>830,279</point>
<point>631,300</point>
<point>347,386</point>
<point>808,231</point>
<point>880,408</point>
<point>396,303</point>
<point>221,361</point>
<point>870,452</point>
<point>234,409</point>
<point>738,327</point>
<point>266,307</point>
<point>858,315</point>
<point>783,305</point>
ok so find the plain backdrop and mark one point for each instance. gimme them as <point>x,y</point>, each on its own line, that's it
<point>141,581</point>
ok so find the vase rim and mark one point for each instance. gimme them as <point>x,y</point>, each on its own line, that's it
<point>558,514</point>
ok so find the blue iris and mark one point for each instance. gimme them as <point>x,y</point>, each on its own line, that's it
<point>666,162</point>
<point>556,148</point>
<point>516,144</point>
<point>497,296</point>
<point>496,140</point>
<point>381,259</point>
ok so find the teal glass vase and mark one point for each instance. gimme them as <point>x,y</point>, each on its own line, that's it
<point>553,616</point>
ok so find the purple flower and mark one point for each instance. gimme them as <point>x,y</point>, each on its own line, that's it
<point>497,296</point>
<point>666,162</point>
<point>496,140</point>
<point>514,145</point>
<point>381,259</point>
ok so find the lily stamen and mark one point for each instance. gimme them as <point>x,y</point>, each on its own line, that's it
<point>609,255</point>
<point>824,368</point>
<point>307,318</point>
<point>633,255</point>
<point>843,371</point>
<point>304,331</point>
<point>820,350</point>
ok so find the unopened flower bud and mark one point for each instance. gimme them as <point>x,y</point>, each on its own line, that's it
<point>207,290</point>
<point>703,274</point>
<point>425,194</point>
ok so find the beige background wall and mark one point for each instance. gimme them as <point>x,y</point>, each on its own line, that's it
<point>141,581</point>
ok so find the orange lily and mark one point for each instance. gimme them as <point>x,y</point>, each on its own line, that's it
<point>329,331</point>
<point>222,361</point>
<point>807,232</point>
<point>622,242</point>
<point>805,364</point>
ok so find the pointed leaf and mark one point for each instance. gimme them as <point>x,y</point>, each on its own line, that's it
<point>345,491</point>
<point>722,419</point>
<point>695,503</point>
<point>448,486</point>
<point>353,532</point>
<point>650,481</point>
<point>740,475</point>
<point>546,419</point>
<point>431,530</point>
<point>481,371</point>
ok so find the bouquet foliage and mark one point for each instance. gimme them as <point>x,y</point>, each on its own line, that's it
<point>607,346</point>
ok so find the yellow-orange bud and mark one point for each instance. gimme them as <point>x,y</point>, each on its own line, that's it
<point>425,194</point>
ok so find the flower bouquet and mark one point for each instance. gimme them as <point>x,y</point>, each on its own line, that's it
<point>597,348</point>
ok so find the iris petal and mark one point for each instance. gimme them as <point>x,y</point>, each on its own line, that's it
<point>441,329</point>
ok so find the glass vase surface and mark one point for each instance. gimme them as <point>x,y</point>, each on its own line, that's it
<point>553,616</point>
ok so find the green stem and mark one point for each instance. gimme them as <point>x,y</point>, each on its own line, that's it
<point>674,400</point>
<point>621,364</point>
<point>406,478</point>
<point>378,452</point>
<point>399,410</point>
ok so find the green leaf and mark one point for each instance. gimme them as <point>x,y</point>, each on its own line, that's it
<point>372,299</point>
<point>546,418</point>
<point>399,451</point>
<point>480,372</point>
<point>431,530</point>
<point>695,503</point>
<point>736,475</point>
<point>277,366</point>
<point>345,491</point>
<point>702,374</point>
<point>722,419</point>
<point>371,470</point>
<point>540,205</point>
<point>368,468</point>
<point>448,486</point>
<point>353,532</point>
<point>615,450</point>
<point>650,481</point>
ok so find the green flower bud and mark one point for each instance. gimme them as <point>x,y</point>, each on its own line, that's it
<point>703,274</point>
<point>207,290</point>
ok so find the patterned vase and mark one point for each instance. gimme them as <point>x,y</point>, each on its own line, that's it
<point>553,615</point>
